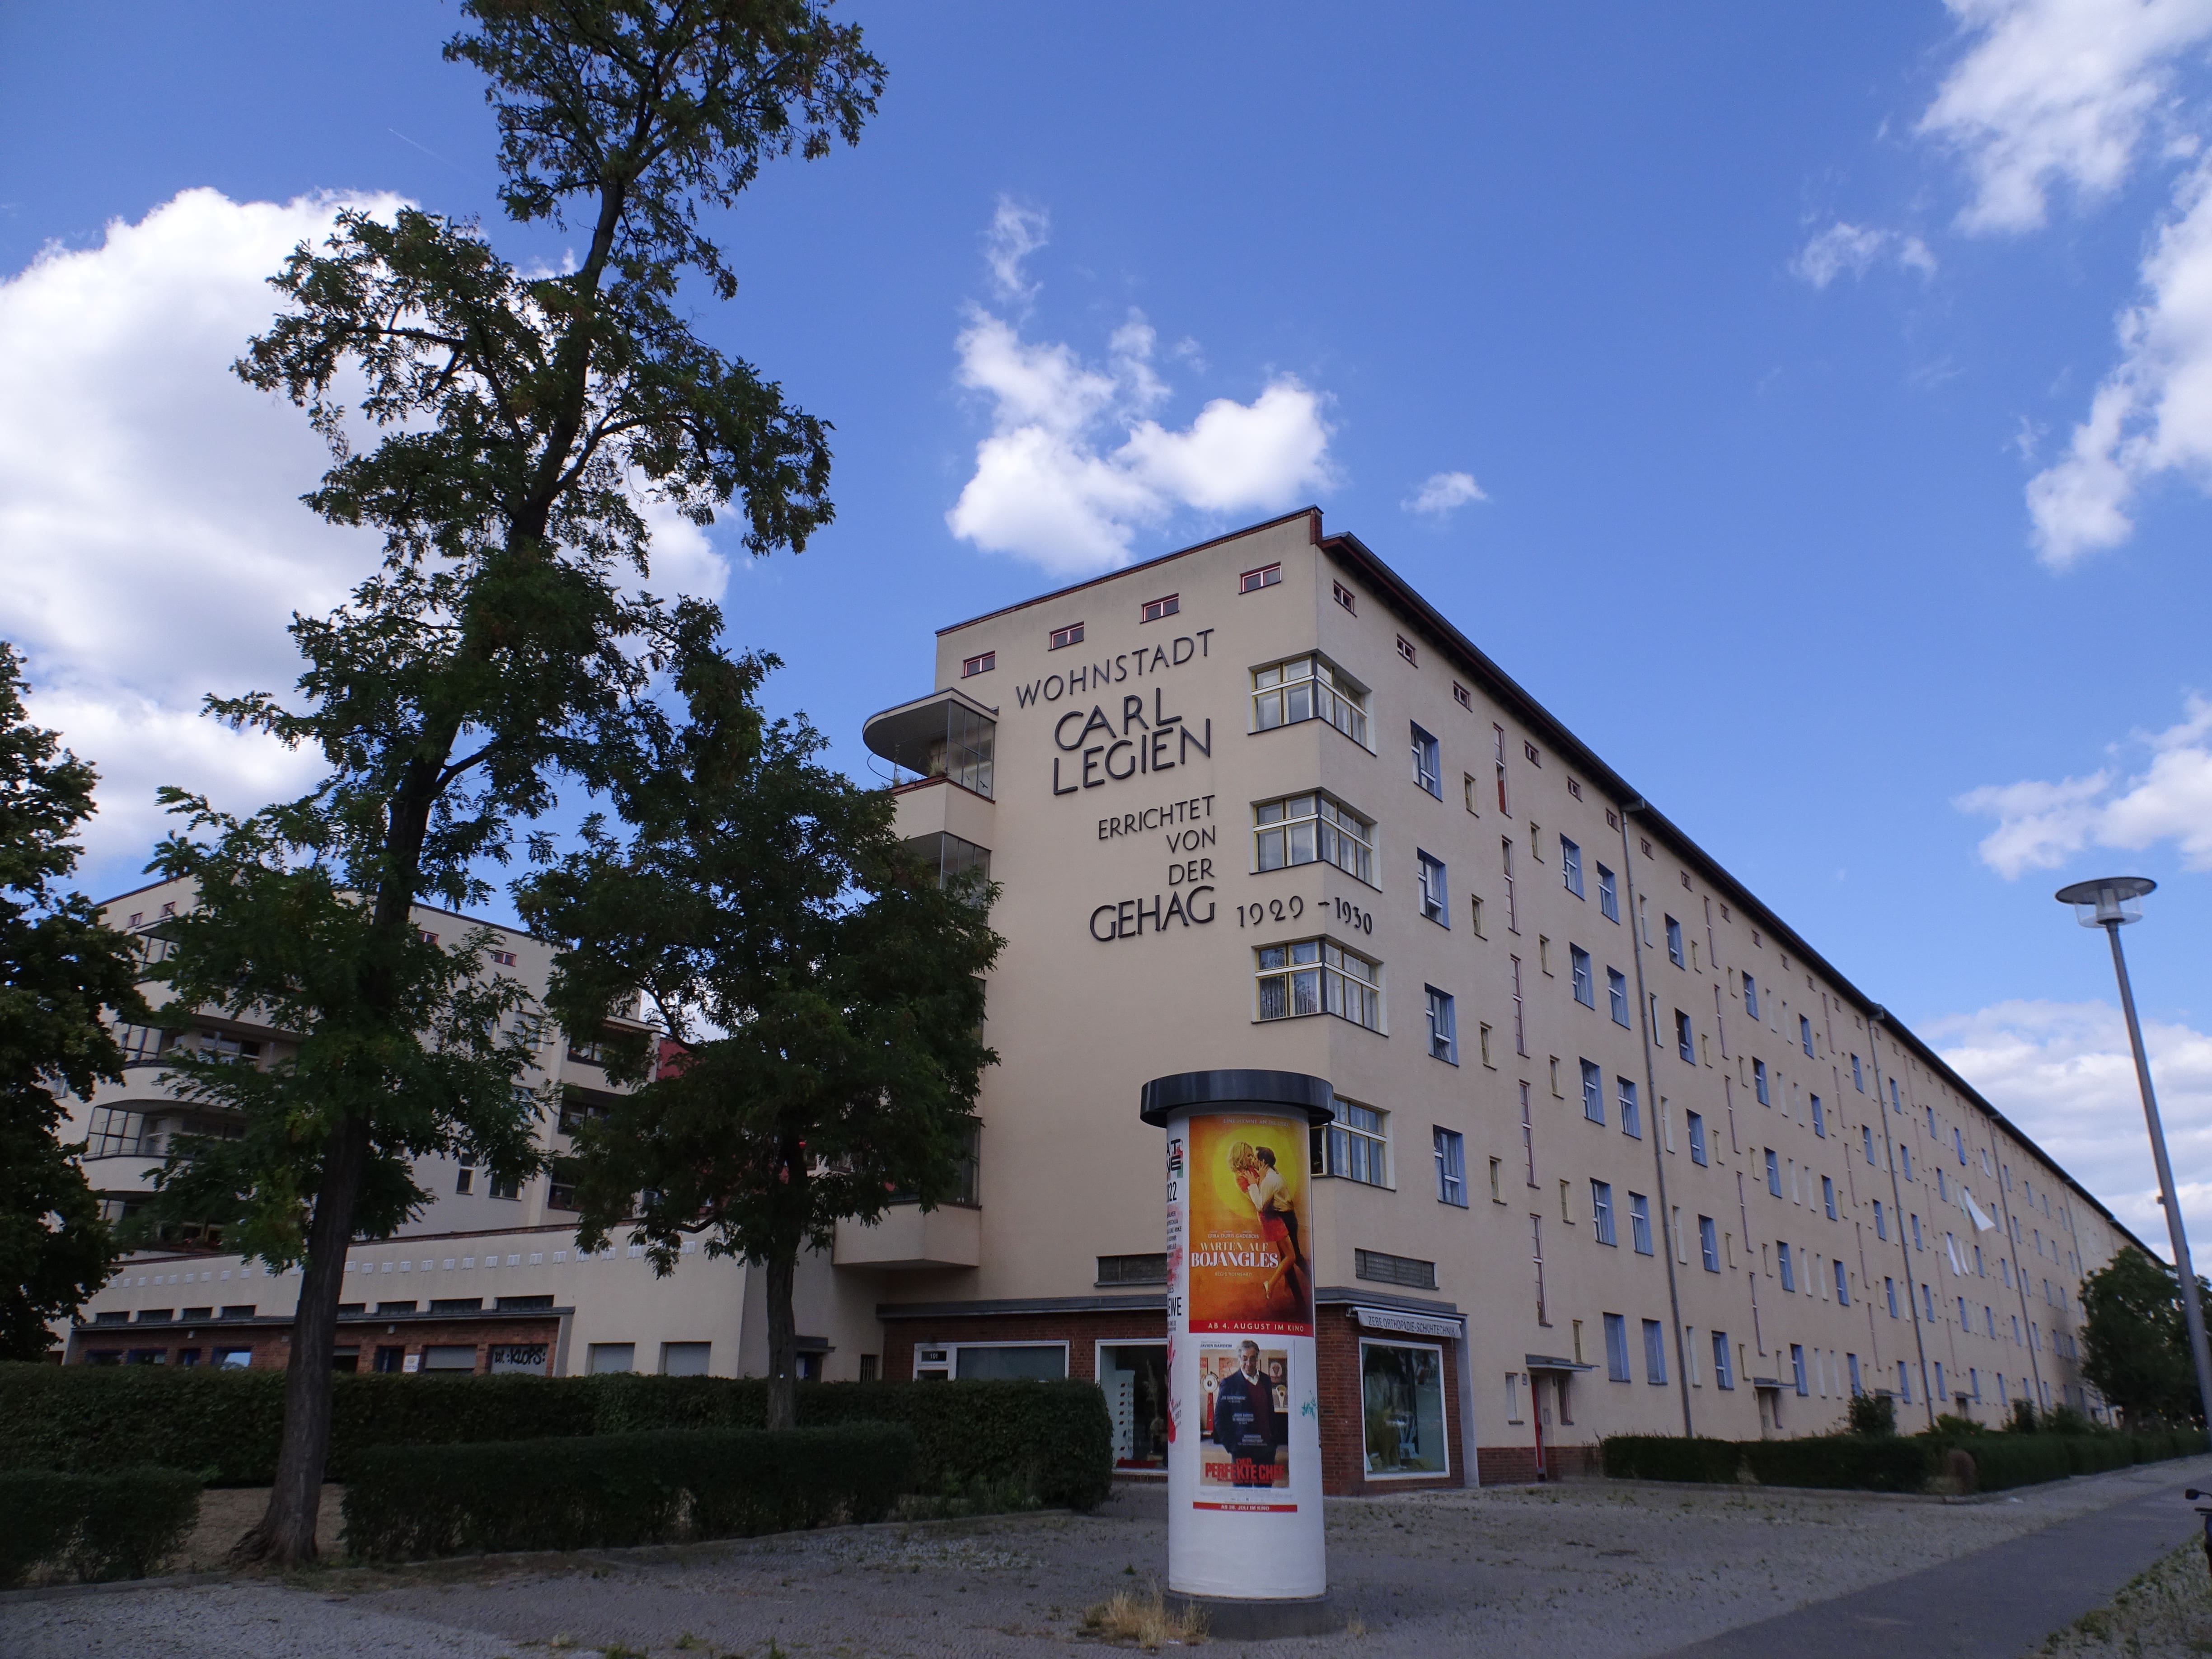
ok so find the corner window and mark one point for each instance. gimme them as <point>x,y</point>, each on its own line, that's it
<point>1443,1033</point>
<point>1156,610</point>
<point>1355,1145</point>
<point>1307,828</point>
<point>1267,576</point>
<point>1452,1167</point>
<point>1307,689</point>
<point>1608,895</point>
<point>1428,763</point>
<point>1313,976</point>
<point>1401,1399</point>
<point>1435,902</point>
<point>1061,637</point>
<point>1570,866</point>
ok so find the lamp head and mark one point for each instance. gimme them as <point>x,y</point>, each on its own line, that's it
<point>2108,900</point>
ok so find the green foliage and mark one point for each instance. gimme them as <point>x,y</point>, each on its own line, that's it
<point>2135,1342</point>
<point>59,966</point>
<point>1050,1443</point>
<point>62,1527</point>
<point>1671,1457</point>
<point>1949,1426</point>
<point>1877,1464</point>
<point>1873,1414</point>
<point>827,990</point>
<point>406,1502</point>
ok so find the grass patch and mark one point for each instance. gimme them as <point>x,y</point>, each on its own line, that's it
<point>1144,1620</point>
<point>2167,1609</point>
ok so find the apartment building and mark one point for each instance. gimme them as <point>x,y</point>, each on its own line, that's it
<point>1613,1148</point>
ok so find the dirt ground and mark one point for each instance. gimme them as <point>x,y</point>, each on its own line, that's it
<point>227,1513</point>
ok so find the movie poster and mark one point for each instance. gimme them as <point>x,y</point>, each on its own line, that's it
<point>1249,1233</point>
<point>1244,1415</point>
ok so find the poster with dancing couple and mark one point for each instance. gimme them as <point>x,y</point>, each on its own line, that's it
<point>1247,1235</point>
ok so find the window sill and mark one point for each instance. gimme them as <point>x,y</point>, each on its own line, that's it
<point>1319,864</point>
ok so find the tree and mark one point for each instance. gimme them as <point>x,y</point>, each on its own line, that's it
<point>2135,1340</point>
<point>823,987</point>
<point>59,966</point>
<point>522,424</point>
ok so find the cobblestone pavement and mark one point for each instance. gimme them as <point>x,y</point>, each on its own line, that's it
<point>1594,1565</point>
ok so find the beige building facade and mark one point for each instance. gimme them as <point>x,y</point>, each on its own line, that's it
<point>1616,1150</point>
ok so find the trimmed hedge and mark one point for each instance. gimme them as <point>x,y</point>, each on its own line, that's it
<point>1889,1463</point>
<point>60,1527</point>
<point>407,1503</point>
<point>1860,1462</point>
<point>1051,1442</point>
<point>1672,1457</point>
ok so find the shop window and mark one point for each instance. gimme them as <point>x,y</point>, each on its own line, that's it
<point>1134,1376</point>
<point>1402,1398</point>
<point>1310,828</point>
<point>1306,688</point>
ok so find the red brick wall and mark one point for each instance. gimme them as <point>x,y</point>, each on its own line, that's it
<point>272,1345</point>
<point>1080,1331</point>
<point>1343,1423</point>
<point>1515,1466</point>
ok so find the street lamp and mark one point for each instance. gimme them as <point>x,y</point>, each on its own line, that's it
<point>2111,902</point>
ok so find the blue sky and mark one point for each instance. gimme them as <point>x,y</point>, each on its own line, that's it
<point>1832,386</point>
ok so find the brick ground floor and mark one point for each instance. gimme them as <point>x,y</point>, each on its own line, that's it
<point>480,1342</point>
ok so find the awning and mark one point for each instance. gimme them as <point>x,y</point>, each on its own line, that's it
<point>1545,1362</point>
<point>1408,1324</point>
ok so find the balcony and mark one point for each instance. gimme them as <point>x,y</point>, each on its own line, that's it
<point>908,1239</point>
<point>946,736</point>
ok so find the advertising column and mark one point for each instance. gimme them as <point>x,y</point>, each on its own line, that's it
<point>1244,1478</point>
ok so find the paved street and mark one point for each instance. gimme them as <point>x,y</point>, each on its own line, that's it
<point>1627,1570</point>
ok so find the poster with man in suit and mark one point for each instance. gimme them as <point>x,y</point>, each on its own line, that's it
<point>1247,1439</point>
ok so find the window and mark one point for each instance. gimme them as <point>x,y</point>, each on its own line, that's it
<point>1866,1141</point>
<point>1499,732</point>
<point>1444,1031</point>
<point>1476,916</point>
<point>1696,1121</point>
<point>1593,1092</point>
<point>1751,996</point>
<point>1709,1243</point>
<point>1759,1082</point>
<point>1881,1222</point>
<point>1602,1211</point>
<point>1843,1288</point>
<point>1858,1082</point>
<point>506,1186</point>
<point>1309,689</point>
<point>1805,1035</point>
<point>1608,895</point>
<point>1435,902</point>
<point>561,1186</point>
<point>1528,750</point>
<point>1616,1348</point>
<point>1060,637</point>
<point>1570,866</point>
<point>1939,1388</point>
<point>1889,1290</point>
<point>1773,1173</point>
<point>1267,576</point>
<point>1406,650</point>
<point>1616,987</point>
<point>1460,696</point>
<point>1674,943</point>
<point>1783,1261</point>
<point>1640,1222</point>
<point>1428,763</point>
<point>1402,1401</point>
<point>1144,1269</point>
<point>1631,1117</point>
<point>1527,1136</point>
<point>1306,828</point>
<point>1520,1028</point>
<point>1579,960</point>
<point>1655,1353</point>
<point>1156,610</point>
<point>1344,598</point>
<point>1377,1268</point>
<point>1686,1044</point>
<point>1904,1160</point>
<point>1797,1365</point>
<point>1917,1245</point>
<point>1314,977</point>
<point>1724,1373</point>
<point>114,1132</point>
<point>1820,1119</point>
<point>1497,1193</point>
<point>1355,1145</point>
<point>1451,1169</point>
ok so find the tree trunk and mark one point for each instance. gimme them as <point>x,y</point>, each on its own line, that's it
<point>782,1345</point>
<point>285,1536</point>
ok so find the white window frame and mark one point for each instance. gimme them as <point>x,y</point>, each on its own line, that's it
<point>1443,1410</point>
<point>1435,887</point>
<point>1377,1140</point>
<point>1453,1142</point>
<point>1428,753</point>
<point>1098,1370</point>
<point>1333,985</point>
<point>1443,1017</point>
<point>1331,695</point>
<point>1335,828</point>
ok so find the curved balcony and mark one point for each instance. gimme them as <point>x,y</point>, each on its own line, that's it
<point>946,735</point>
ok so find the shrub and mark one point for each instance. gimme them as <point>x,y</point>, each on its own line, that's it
<point>1873,1414</point>
<point>405,1503</point>
<point>1671,1457</point>
<point>119,1525</point>
<point>2005,1461</point>
<point>1868,1463</point>
<point>1048,1442</point>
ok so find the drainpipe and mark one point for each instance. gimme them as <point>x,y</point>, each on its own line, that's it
<point>1877,1017</point>
<point>1668,1230</point>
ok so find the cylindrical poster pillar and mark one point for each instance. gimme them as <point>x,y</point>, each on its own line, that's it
<point>1244,1478</point>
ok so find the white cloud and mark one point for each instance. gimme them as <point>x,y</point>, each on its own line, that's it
<point>1016,233</point>
<point>2062,1072</point>
<point>1441,494</point>
<point>1051,483</point>
<point>1855,249</point>
<point>2153,413</point>
<point>2041,825</point>
<point>155,545</point>
<point>2056,91</point>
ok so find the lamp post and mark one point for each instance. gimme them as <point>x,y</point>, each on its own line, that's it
<point>2111,902</point>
